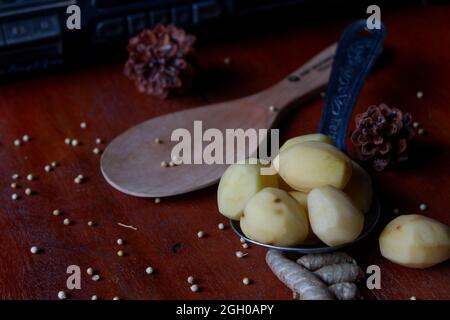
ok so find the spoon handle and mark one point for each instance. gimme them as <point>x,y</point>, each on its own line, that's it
<point>300,84</point>
<point>356,52</point>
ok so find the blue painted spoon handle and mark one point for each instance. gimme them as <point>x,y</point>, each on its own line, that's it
<point>355,55</point>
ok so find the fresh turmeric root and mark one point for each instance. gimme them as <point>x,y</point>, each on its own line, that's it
<point>343,272</point>
<point>337,270</point>
<point>297,278</point>
<point>345,291</point>
<point>318,260</point>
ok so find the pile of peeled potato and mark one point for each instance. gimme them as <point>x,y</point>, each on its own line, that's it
<point>318,192</point>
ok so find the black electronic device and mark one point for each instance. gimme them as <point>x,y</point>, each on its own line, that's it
<point>34,35</point>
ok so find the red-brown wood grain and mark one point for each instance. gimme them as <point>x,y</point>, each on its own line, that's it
<point>51,108</point>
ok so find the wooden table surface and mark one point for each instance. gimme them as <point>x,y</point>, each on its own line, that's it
<point>51,108</point>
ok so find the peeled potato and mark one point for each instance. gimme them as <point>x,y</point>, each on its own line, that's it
<point>333,217</point>
<point>415,241</point>
<point>276,162</point>
<point>272,216</point>
<point>283,185</point>
<point>301,198</point>
<point>238,184</point>
<point>307,137</point>
<point>313,164</point>
<point>359,188</point>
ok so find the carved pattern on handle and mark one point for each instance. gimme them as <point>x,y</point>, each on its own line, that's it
<point>354,58</point>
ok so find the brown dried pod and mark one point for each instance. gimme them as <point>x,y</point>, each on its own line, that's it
<point>381,136</point>
<point>160,60</point>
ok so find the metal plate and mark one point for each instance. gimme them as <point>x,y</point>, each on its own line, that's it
<point>371,220</point>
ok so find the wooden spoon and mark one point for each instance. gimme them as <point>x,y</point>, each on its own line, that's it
<point>131,163</point>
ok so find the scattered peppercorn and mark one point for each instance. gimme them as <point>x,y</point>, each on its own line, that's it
<point>149,270</point>
<point>177,160</point>
<point>62,295</point>
<point>56,212</point>
<point>423,207</point>
<point>246,281</point>
<point>95,277</point>
<point>191,280</point>
<point>194,288</point>
<point>200,234</point>
<point>240,254</point>
<point>79,179</point>
<point>35,250</point>
<point>221,226</point>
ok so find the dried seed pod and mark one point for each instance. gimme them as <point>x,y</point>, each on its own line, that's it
<point>161,60</point>
<point>382,136</point>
